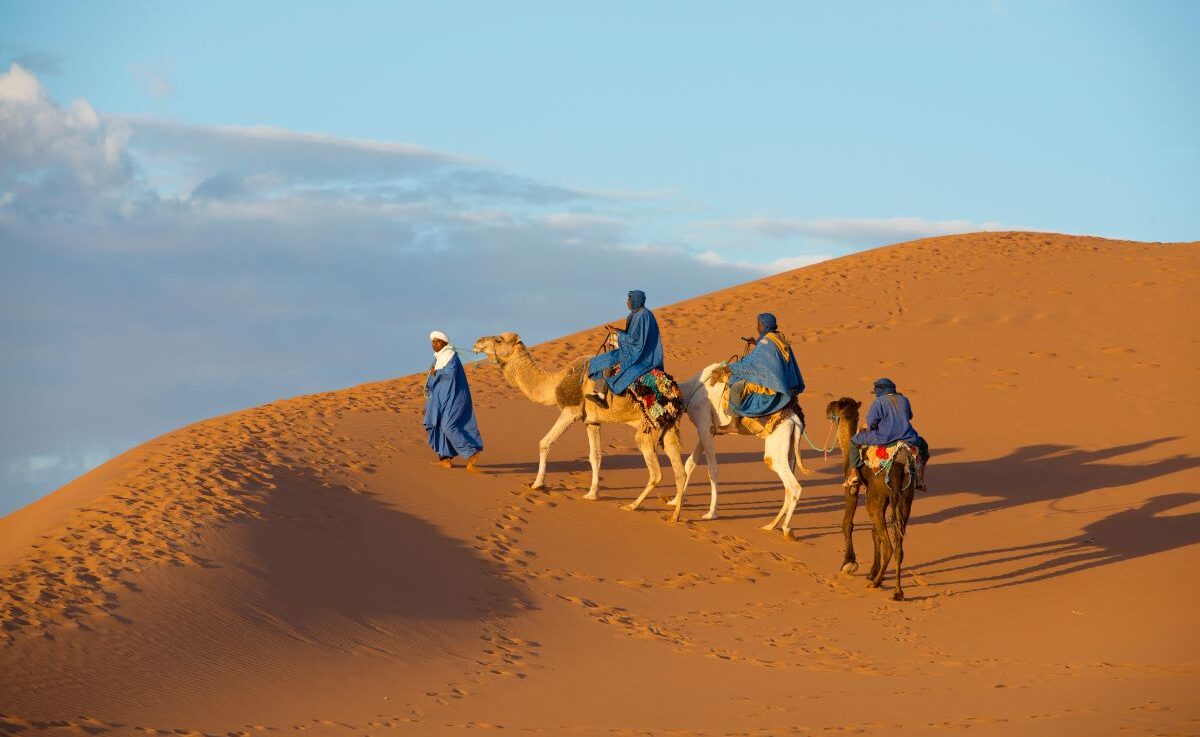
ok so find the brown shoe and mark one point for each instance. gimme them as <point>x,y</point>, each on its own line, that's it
<point>597,399</point>
<point>443,462</point>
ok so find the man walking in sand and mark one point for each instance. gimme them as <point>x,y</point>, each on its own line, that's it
<point>449,413</point>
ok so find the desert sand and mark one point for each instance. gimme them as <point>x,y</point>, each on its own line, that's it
<point>301,567</point>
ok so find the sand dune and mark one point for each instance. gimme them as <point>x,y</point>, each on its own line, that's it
<point>300,566</point>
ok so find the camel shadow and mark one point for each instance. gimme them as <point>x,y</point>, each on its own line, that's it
<point>1042,473</point>
<point>1122,536</point>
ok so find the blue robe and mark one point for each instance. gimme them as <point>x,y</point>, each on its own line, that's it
<point>639,351</point>
<point>449,414</point>
<point>767,367</point>
<point>888,422</point>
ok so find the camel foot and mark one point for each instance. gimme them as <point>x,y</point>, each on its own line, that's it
<point>591,496</point>
<point>872,584</point>
<point>768,528</point>
<point>675,517</point>
<point>630,507</point>
<point>850,567</point>
<point>536,486</point>
<point>898,596</point>
<point>709,516</point>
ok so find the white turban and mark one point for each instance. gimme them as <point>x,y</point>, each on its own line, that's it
<point>442,357</point>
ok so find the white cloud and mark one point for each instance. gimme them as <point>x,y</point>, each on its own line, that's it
<point>849,232</point>
<point>779,265</point>
<point>152,79</point>
<point>55,160</point>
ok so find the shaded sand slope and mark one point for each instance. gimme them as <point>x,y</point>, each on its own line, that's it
<point>302,567</point>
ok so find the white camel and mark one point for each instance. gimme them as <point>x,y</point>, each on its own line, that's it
<point>563,389</point>
<point>704,398</point>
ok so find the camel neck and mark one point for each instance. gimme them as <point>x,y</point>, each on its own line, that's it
<point>523,373</point>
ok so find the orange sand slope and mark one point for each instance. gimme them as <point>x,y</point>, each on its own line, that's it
<point>302,567</point>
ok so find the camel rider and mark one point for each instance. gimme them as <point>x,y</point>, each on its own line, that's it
<point>889,420</point>
<point>449,414</point>
<point>639,351</point>
<point>767,380</point>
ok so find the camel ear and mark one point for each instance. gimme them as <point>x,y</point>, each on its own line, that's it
<point>858,404</point>
<point>510,337</point>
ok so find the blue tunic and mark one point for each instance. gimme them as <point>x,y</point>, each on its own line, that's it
<point>888,422</point>
<point>639,351</point>
<point>449,414</point>
<point>767,367</point>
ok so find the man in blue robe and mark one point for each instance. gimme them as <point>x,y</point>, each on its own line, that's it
<point>889,420</point>
<point>639,351</point>
<point>767,380</point>
<point>449,413</point>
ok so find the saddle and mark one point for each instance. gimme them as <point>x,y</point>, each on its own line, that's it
<point>880,459</point>
<point>760,426</point>
<point>658,397</point>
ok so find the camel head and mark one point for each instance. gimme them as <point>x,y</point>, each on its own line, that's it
<point>500,347</point>
<point>844,409</point>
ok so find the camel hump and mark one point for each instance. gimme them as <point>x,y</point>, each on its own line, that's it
<point>569,392</point>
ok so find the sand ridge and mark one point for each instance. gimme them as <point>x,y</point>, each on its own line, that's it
<point>301,567</point>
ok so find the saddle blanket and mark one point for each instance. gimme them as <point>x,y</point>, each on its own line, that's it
<point>658,396</point>
<point>881,456</point>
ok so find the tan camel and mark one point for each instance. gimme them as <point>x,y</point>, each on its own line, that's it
<point>704,396</point>
<point>564,389</point>
<point>893,489</point>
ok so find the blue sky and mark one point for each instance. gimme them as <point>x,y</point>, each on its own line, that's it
<point>208,206</point>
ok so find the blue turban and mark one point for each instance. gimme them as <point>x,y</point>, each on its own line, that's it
<point>637,299</point>
<point>884,386</point>
<point>768,322</point>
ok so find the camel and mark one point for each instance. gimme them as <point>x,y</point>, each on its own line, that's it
<point>895,490</point>
<point>704,400</point>
<point>564,389</point>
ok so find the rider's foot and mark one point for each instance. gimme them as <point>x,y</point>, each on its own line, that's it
<point>597,399</point>
<point>443,462</point>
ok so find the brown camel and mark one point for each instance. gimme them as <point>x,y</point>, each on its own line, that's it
<point>564,389</point>
<point>893,489</point>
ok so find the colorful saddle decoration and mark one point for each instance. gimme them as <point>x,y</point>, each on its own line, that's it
<point>658,396</point>
<point>879,458</point>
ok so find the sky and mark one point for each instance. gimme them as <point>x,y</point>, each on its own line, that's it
<point>210,206</point>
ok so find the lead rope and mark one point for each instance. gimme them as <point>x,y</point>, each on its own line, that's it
<point>827,447</point>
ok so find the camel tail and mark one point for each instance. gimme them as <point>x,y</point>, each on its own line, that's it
<point>797,433</point>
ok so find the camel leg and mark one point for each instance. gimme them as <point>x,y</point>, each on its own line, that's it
<point>785,446</point>
<point>645,443</point>
<point>877,506</point>
<point>564,421</point>
<point>593,433</point>
<point>898,534</point>
<point>850,562</point>
<point>674,449</point>
<point>900,520</point>
<point>710,455</point>
<point>771,462</point>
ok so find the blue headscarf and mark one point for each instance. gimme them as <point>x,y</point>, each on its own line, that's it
<point>637,299</point>
<point>884,386</point>
<point>768,322</point>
